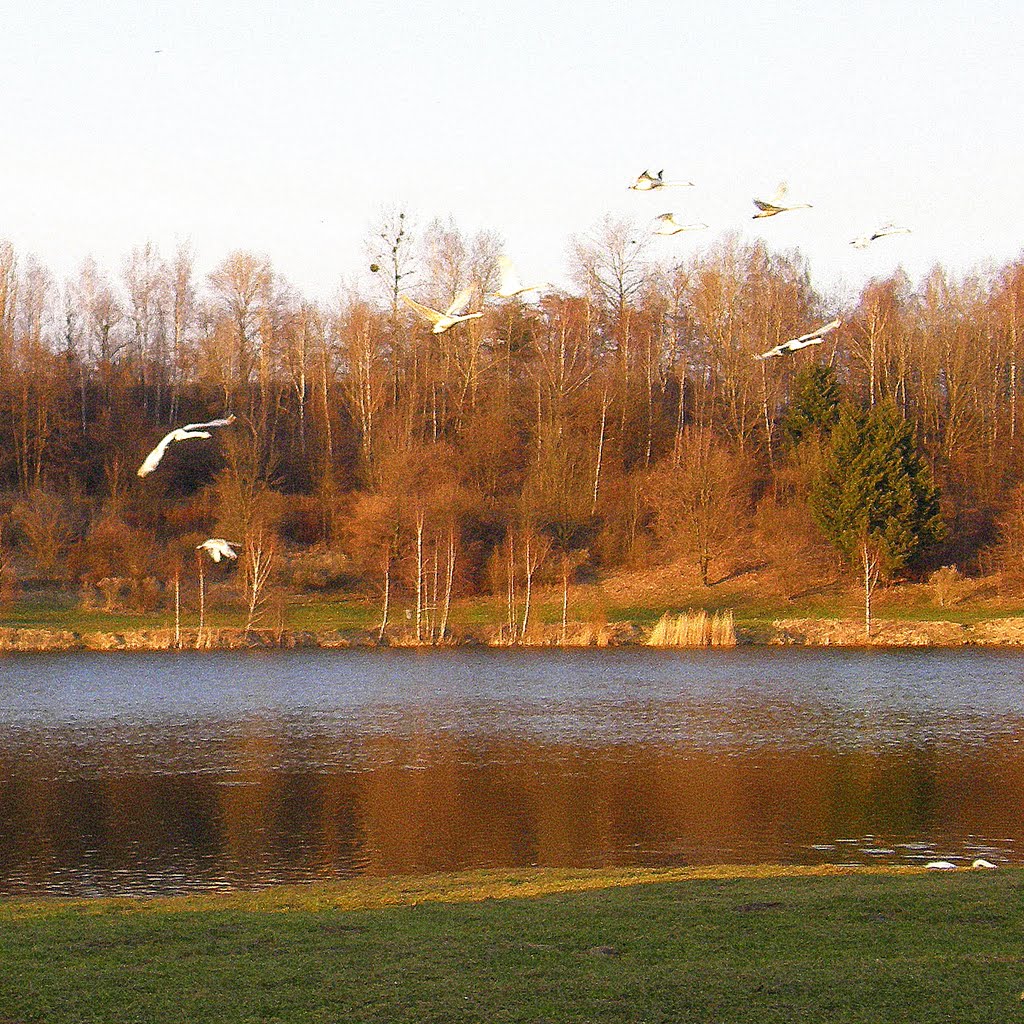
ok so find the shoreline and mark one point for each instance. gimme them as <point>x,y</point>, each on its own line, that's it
<point>796,632</point>
<point>470,886</point>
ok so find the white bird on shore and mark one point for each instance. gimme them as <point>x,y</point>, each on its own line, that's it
<point>980,863</point>
<point>940,865</point>
<point>647,182</point>
<point>669,225</point>
<point>863,241</point>
<point>794,344</point>
<point>450,317</point>
<point>777,203</point>
<point>511,285</point>
<point>184,433</point>
<point>218,548</point>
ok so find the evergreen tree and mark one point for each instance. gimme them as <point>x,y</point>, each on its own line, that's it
<point>874,498</point>
<point>813,405</point>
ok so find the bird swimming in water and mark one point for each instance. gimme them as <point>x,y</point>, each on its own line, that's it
<point>185,433</point>
<point>795,344</point>
<point>450,317</point>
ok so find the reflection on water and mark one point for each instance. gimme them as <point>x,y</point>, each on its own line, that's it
<point>167,773</point>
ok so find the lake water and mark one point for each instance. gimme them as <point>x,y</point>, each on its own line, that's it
<point>165,773</point>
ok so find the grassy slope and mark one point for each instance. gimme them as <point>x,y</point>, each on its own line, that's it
<point>752,601</point>
<point>641,596</point>
<point>850,947</point>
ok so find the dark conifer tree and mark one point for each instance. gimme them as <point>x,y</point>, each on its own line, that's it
<point>874,498</point>
<point>814,404</point>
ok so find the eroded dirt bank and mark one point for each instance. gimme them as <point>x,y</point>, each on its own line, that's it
<point>1006,632</point>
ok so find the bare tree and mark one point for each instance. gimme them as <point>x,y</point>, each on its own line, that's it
<point>241,287</point>
<point>259,564</point>
<point>700,505</point>
<point>391,250</point>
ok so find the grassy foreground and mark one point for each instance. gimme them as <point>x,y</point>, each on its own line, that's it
<point>728,945</point>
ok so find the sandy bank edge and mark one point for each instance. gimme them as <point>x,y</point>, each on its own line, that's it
<point>795,632</point>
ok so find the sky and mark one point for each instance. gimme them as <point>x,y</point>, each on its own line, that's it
<point>287,129</point>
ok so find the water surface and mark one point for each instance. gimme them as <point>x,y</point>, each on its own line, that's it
<point>161,773</point>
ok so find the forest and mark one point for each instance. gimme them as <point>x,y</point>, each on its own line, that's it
<point>622,423</point>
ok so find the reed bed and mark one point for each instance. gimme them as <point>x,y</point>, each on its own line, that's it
<point>694,629</point>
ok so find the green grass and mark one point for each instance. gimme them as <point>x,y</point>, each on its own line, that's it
<point>754,611</point>
<point>843,948</point>
<point>343,615</point>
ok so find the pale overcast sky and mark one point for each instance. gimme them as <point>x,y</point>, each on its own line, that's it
<point>285,129</point>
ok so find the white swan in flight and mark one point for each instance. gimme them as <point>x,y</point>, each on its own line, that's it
<point>669,224</point>
<point>450,317</point>
<point>647,182</point>
<point>863,241</point>
<point>184,433</point>
<point>511,285</point>
<point>777,203</point>
<point>218,548</point>
<point>794,344</point>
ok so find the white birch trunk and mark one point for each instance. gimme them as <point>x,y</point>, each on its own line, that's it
<point>419,576</point>
<point>202,601</point>
<point>529,587</point>
<point>600,451</point>
<point>387,596</point>
<point>449,580</point>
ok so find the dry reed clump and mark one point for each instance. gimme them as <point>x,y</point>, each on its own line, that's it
<point>694,629</point>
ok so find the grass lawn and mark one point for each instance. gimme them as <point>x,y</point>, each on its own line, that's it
<point>873,946</point>
<point>752,600</point>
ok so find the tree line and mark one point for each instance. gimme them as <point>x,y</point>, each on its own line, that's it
<point>614,424</point>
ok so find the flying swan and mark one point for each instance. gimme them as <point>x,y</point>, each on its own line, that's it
<point>777,203</point>
<point>647,182</point>
<point>794,344</point>
<point>668,224</point>
<point>450,317</point>
<point>184,433</point>
<point>218,548</point>
<point>863,241</point>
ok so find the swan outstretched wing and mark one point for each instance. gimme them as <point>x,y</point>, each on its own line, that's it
<point>225,422</point>
<point>820,332</point>
<point>425,311</point>
<point>509,280</point>
<point>646,181</point>
<point>460,302</point>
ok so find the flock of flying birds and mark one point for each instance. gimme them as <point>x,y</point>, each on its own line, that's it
<point>665,224</point>
<point>216,547</point>
<point>510,285</point>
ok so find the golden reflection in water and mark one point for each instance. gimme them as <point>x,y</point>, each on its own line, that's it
<point>281,806</point>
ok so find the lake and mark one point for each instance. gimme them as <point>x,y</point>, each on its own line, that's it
<point>165,773</point>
